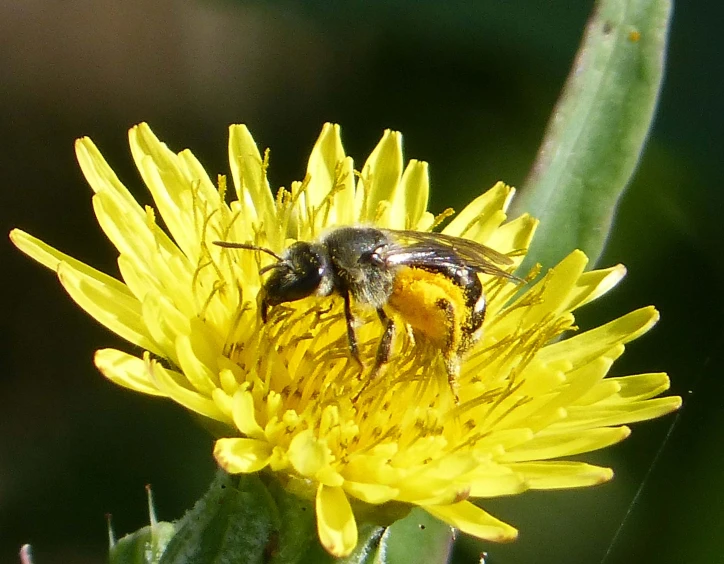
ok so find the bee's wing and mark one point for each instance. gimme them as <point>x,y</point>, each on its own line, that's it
<point>437,250</point>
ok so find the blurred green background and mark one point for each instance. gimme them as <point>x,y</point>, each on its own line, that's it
<point>471,86</point>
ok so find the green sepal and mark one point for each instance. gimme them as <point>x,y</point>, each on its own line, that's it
<point>253,519</point>
<point>597,131</point>
<point>144,546</point>
<point>295,540</point>
<point>234,522</point>
<point>419,537</point>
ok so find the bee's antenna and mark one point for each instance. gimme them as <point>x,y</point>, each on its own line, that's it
<point>247,246</point>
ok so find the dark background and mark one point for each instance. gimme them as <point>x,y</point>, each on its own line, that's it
<point>471,86</point>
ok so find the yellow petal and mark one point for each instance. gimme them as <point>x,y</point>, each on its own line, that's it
<point>330,173</point>
<point>139,280</point>
<point>336,526</point>
<point>174,385</point>
<point>482,215</point>
<point>617,392</point>
<point>372,467</point>
<point>164,323</point>
<point>171,190</point>
<point>380,178</point>
<point>561,474</point>
<point>125,370</point>
<point>224,402</point>
<point>242,455</point>
<point>230,375</point>
<point>145,244</point>
<point>452,492</point>
<point>195,173</point>
<point>52,258</point>
<point>641,386</point>
<point>312,458</point>
<point>252,187</point>
<point>244,413</point>
<point>551,444</point>
<point>577,383</point>
<point>118,311</point>
<point>620,414</point>
<point>100,175</point>
<point>600,393</point>
<point>413,490</point>
<point>425,223</point>
<point>544,299</point>
<point>308,454</point>
<point>411,199</point>
<point>514,235</point>
<point>198,373</point>
<point>371,493</point>
<point>581,348</point>
<point>594,284</point>
<point>474,521</point>
<point>493,480</point>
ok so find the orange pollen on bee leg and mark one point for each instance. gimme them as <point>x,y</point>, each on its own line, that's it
<point>430,302</point>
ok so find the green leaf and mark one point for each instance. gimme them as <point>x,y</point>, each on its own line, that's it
<point>597,130</point>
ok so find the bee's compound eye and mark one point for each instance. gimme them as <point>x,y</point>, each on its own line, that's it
<point>377,260</point>
<point>372,257</point>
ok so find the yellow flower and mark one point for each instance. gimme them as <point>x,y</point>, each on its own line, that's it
<point>291,397</point>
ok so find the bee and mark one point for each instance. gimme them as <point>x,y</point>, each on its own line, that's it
<point>429,280</point>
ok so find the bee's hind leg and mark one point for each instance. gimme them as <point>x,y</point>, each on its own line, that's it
<point>452,367</point>
<point>384,349</point>
<point>450,352</point>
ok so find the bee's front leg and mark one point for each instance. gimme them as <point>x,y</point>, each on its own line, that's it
<point>384,349</point>
<point>351,336</point>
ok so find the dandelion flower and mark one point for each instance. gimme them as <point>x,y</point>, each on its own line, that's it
<point>290,396</point>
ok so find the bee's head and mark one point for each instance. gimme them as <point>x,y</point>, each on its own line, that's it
<point>301,271</point>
